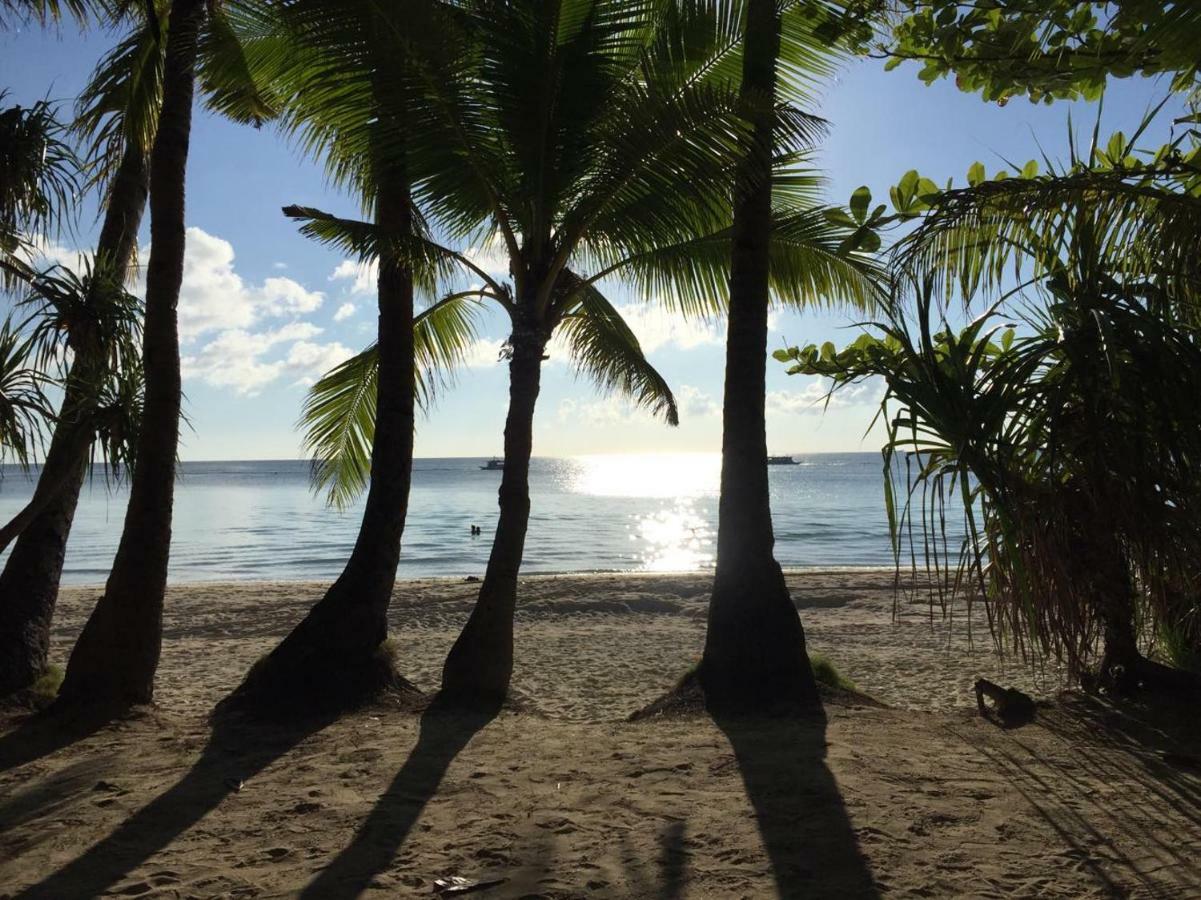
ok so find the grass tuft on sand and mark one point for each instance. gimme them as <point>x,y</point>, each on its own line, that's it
<point>825,673</point>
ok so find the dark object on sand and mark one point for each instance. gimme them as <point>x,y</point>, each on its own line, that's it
<point>471,579</point>
<point>454,884</point>
<point>1010,707</point>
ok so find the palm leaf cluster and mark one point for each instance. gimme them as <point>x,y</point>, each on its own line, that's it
<point>592,141</point>
<point>38,182</point>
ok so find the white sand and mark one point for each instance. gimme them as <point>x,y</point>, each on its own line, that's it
<point>924,799</point>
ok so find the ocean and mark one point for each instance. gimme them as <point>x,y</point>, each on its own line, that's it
<point>654,512</point>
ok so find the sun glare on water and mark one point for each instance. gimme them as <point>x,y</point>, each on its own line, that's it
<point>667,475</point>
<point>676,534</point>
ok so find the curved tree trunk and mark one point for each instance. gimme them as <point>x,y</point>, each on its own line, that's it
<point>116,656</point>
<point>754,656</point>
<point>334,656</point>
<point>29,582</point>
<point>480,664</point>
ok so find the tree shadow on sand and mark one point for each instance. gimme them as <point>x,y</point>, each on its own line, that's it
<point>237,750</point>
<point>1144,829</point>
<point>45,733</point>
<point>798,806</point>
<point>444,732</point>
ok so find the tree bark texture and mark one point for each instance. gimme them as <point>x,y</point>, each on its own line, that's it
<point>480,664</point>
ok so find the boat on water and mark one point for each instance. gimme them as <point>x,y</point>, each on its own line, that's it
<point>782,461</point>
<point>494,465</point>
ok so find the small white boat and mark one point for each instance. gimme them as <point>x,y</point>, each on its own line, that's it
<point>782,461</point>
<point>494,465</point>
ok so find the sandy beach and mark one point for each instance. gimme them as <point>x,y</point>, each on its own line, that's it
<point>567,799</point>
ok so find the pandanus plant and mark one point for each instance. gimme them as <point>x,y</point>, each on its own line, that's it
<point>1072,441</point>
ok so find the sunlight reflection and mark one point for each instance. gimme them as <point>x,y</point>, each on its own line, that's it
<point>677,539</point>
<point>673,475</point>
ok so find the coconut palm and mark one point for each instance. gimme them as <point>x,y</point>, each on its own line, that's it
<point>593,142</point>
<point>117,113</point>
<point>115,658</point>
<point>754,656</point>
<point>352,101</point>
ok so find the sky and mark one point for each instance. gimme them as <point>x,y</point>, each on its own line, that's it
<point>263,311</point>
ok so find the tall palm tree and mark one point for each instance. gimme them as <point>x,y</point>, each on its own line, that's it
<point>754,642</point>
<point>591,139</point>
<point>351,99</point>
<point>118,111</point>
<point>115,658</point>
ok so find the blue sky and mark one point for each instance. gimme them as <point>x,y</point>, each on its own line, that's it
<point>263,311</point>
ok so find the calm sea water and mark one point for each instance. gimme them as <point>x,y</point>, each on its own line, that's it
<point>261,520</point>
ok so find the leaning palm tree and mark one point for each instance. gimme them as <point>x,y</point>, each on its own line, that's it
<point>351,99</point>
<point>118,114</point>
<point>620,171</point>
<point>95,325</point>
<point>115,658</point>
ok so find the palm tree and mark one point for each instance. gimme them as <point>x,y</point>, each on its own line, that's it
<point>591,141</point>
<point>754,657</point>
<point>118,110</point>
<point>115,658</point>
<point>1072,442</point>
<point>24,409</point>
<point>352,100</point>
<point>39,181</point>
<point>95,324</point>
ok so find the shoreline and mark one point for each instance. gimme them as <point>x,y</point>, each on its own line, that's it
<point>457,579</point>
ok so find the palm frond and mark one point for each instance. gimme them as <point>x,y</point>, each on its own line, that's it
<point>38,177</point>
<point>338,417</point>
<point>606,351</point>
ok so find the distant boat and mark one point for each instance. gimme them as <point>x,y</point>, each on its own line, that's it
<point>782,461</point>
<point>494,465</point>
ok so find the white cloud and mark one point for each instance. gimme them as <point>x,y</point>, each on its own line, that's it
<point>42,253</point>
<point>362,276</point>
<point>484,352</point>
<point>612,410</point>
<point>279,265</point>
<point>237,359</point>
<point>345,311</point>
<point>656,326</point>
<point>812,398</point>
<point>695,402</point>
<point>214,297</point>
<point>492,257</point>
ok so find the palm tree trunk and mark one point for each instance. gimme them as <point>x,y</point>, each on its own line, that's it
<point>30,579</point>
<point>480,664</point>
<point>754,654</point>
<point>334,657</point>
<point>116,656</point>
